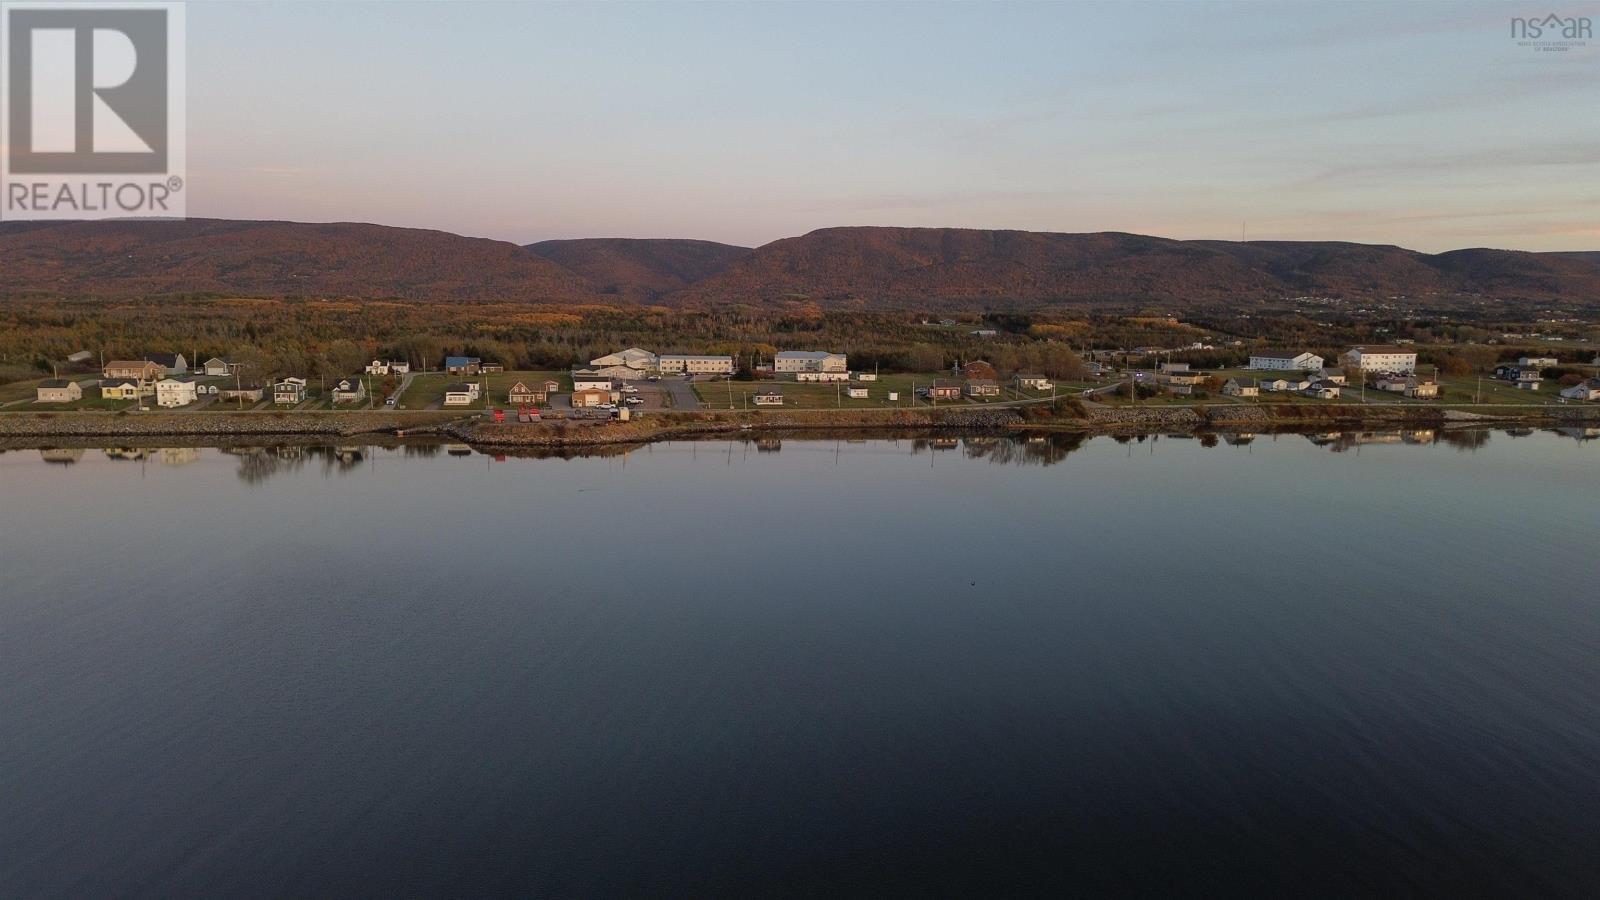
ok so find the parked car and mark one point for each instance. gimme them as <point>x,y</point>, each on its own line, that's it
<point>389,402</point>
<point>654,378</point>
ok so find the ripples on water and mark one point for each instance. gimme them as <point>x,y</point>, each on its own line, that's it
<point>1337,664</point>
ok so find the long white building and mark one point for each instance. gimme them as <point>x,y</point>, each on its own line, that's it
<point>795,361</point>
<point>1380,359</point>
<point>1285,360</point>
<point>673,363</point>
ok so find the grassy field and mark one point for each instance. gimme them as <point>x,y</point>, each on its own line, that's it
<point>428,389</point>
<point>715,394</point>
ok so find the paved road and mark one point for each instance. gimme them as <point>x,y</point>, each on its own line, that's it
<point>682,392</point>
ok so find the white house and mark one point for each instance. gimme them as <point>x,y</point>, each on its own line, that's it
<point>822,376</point>
<point>866,376</point>
<point>217,366</point>
<point>289,390</point>
<point>1543,362</point>
<point>795,361</point>
<point>1588,390</point>
<point>58,390</point>
<point>1035,382</point>
<point>1528,380</point>
<point>856,393</point>
<point>1414,386</point>
<point>378,367</point>
<point>1380,359</point>
<point>1285,360</point>
<point>461,393</point>
<point>769,397</point>
<point>172,392</point>
<point>674,363</point>
<point>349,390</point>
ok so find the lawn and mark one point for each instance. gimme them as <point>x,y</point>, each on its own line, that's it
<point>428,389</point>
<point>716,394</point>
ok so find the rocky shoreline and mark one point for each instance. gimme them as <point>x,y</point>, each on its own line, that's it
<point>23,428</point>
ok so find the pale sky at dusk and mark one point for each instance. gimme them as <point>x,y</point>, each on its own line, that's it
<point>1419,124</point>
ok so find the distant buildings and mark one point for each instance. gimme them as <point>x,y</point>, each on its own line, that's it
<point>584,380</point>
<point>463,365</point>
<point>58,390</point>
<point>1380,359</point>
<point>1418,387</point>
<point>1538,361</point>
<point>1285,360</point>
<point>388,367</point>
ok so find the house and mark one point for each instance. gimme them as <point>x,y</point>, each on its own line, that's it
<point>247,390</point>
<point>58,390</point>
<point>216,366</point>
<point>1508,372</point>
<point>866,376</point>
<point>1183,378</point>
<point>1380,359</point>
<point>1167,368</point>
<point>1322,390</point>
<point>1336,376</point>
<point>1528,380</point>
<point>1180,388</point>
<point>121,389</point>
<point>980,369</point>
<point>855,393</point>
<point>491,367</point>
<point>585,381</point>
<point>1588,390</point>
<point>1035,382</point>
<point>982,387</point>
<point>944,390</point>
<point>378,367</point>
<point>1098,370</point>
<point>399,367</point>
<point>768,397</point>
<point>172,392</point>
<point>1419,387</point>
<point>821,376</point>
<point>1241,387</point>
<point>461,393</point>
<point>136,369</point>
<point>462,365</point>
<point>589,397</point>
<point>1285,360</point>
<point>638,363</point>
<point>172,363</point>
<point>983,332</point>
<point>82,356</point>
<point>794,361</point>
<point>551,386</point>
<point>521,393</point>
<point>696,365</point>
<point>1538,362</point>
<point>289,390</point>
<point>349,390</point>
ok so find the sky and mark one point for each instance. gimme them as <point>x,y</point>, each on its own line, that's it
<point>1419,124</point>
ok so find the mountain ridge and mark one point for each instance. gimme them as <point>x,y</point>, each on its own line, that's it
<point>872,266</point>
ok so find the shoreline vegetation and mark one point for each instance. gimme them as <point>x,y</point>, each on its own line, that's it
<point>33,428</point>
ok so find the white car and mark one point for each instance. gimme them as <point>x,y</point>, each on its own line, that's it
<point>634,401</point>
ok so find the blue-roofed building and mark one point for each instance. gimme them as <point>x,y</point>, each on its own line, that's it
<point>462,365</point>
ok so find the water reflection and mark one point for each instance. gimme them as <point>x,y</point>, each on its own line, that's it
<point>256,464</point>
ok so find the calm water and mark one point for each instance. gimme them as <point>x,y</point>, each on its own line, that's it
<point>825,668</point>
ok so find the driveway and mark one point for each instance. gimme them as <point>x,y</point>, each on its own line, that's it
<point>681,391</point>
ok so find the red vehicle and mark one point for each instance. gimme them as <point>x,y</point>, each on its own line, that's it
<point>499,415</point>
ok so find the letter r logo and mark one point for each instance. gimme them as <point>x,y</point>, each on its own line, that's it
<point>87,90</point>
